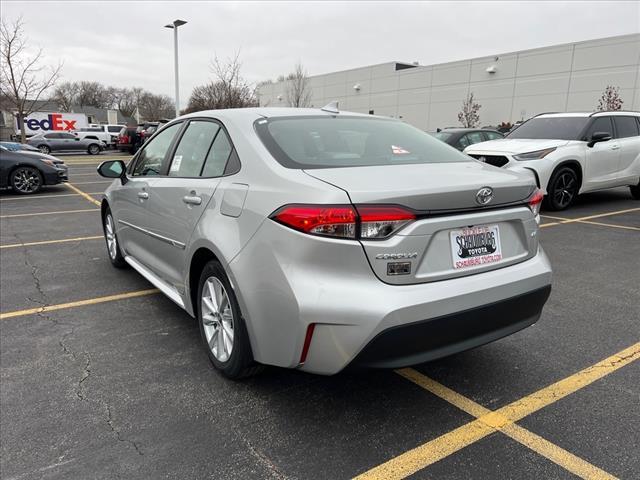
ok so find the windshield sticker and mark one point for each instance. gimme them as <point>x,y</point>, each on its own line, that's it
<point>175,165</point>
<point>398,150</point>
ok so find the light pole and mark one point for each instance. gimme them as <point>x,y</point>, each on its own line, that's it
<point>174,26</point>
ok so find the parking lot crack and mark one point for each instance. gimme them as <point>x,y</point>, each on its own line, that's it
<point>118,433</point>
<point>85,374</point>
<point>264,461</point>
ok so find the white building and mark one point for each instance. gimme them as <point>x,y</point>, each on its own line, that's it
<point>509,86</point>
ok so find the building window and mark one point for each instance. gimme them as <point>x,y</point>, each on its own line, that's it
<point>370,112</point>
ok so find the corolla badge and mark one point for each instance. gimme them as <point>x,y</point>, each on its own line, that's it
<point>484,195</point>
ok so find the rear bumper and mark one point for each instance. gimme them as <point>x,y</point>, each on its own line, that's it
<point>439,337</point>
<point>287,280</point>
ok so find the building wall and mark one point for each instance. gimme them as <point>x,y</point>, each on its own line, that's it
<point>566,77</point>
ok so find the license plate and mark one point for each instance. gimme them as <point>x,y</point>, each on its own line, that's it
<point>475,246</point>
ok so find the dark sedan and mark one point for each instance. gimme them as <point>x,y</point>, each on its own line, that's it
<point>461,138</point>
<point>15,147</point>
<point>27,172</point>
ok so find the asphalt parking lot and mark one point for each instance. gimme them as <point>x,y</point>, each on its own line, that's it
<point>102,377</point>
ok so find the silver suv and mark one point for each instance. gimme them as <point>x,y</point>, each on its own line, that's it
<point>318,239</point>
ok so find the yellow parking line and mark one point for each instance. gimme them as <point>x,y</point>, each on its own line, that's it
<point>502,420</point>
<point>626,227</point>
<point>59,212</point>
<point>49,242</point>
<point>600,215</point>
<point>80,303</point>
<point>556,454</point>
<point>36,197</point>
<point>83,194</point>
<point>88,183</point>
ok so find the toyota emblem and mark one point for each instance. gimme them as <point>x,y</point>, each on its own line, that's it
<point>484,195</point>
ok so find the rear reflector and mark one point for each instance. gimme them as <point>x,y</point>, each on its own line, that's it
<point>536,201</point>
<point>307,343</point>
<point>367,222</point>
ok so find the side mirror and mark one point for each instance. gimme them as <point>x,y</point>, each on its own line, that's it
<point>598,137</point>
<point>113,169</point>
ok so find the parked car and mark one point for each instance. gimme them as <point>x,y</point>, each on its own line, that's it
<point>318,240</point>
<point>112,130</point>
<point>65,142</point>
<point>94,133</point>
<point>461,138</point>
<point>132,138</point>
<point>571,153</point>
<point>129,140</point>
<point>16,146</point>
<point>26,172</point>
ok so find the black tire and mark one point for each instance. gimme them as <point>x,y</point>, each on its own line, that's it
<point>114,252</point>
<point>26,180</point>
<point>94,149</point>
<point>562,189</point>
<point>44,149</point>
<point>240,363</point>
<point>635,191</point>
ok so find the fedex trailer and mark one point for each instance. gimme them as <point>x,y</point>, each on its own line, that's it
<point>45,122</point>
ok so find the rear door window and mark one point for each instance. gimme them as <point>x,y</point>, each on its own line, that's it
<point>474,137</point>
<point>625,127</point>
<point>218,156</point>
<point>192,150</point>
<point>492,135</point>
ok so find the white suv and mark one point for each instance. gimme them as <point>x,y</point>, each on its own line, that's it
<point>571,153</point>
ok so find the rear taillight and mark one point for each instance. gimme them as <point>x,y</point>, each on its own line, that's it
<point>367,222</point>
<point>382,221</point>
<point>536,201</point>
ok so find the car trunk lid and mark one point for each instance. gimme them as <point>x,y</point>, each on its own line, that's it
<point>452,234</point>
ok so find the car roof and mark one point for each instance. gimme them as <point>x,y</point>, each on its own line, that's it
<point>253,113</point>
<point>465,130</point>
<point>588,114</point>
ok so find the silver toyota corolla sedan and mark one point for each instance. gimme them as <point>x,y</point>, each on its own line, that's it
<point>321,240</point>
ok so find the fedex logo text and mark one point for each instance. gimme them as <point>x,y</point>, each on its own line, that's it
<point>53,121</point>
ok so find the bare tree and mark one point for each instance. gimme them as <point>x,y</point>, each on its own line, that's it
<point>23,78</point>
<point>64,95</point>
<point>156,107</point>
<point>297,90</point>
<point>468,116</point>
<point>92,94</point>
<point>127,100</point>
<point>228,89</point>
<point>610,99</point>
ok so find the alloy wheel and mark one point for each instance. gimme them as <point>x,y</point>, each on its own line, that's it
<point>27,180</point>
<point>110,234</point>
<point>565,189</point>
<point>217,319</point>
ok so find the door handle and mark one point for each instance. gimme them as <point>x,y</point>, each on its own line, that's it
<point>192,200</point>
<point>143,195</point>
<point>615,147</point>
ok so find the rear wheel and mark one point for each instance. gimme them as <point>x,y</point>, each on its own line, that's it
<point>94,149</point>
<point>635,191</point>
<point>25,180</point>
<point>113,246</point>
<point>44,149</point>
<point>563,189</point>
<point>222,327</point>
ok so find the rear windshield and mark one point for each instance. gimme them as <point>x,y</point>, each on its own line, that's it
<point>551,128</point>
<point>114,128</point>
<point>442,135</point>
<point>328,142</point>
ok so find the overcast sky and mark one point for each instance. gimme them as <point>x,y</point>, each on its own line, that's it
<point>124,43</point>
